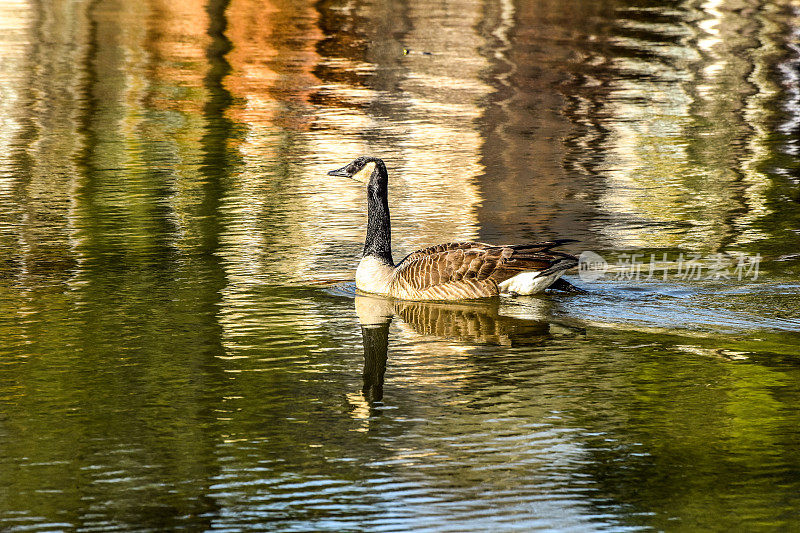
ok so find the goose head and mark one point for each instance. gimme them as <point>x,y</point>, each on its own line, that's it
<point>364,169</point>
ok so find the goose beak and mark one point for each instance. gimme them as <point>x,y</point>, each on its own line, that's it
<point>340,172</point>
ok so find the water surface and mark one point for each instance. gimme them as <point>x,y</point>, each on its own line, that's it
<point>180,343</point>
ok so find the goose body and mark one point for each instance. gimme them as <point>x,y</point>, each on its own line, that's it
<point>450,271</point>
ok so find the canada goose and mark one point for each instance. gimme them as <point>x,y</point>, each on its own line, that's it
<point>450,271</point>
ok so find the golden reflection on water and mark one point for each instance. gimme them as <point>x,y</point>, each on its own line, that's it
<point>690,138</point>
<point>176,130</point>
<point>412,113</point>
<point>15,18</point>
<point>275,84</point>
<point>620,133</point>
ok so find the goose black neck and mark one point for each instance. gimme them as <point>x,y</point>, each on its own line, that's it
<point>379,234</point>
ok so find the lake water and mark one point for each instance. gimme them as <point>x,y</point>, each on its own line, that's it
<point>181,346</point>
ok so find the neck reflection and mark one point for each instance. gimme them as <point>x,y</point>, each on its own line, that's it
<point>491,323</point>
<point>376,350</point>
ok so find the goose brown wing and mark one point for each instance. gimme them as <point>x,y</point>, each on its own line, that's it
<point>451,274</point>
<point>471,270</point>
<point>446,247</point>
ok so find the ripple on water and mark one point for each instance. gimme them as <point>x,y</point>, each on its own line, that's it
<point>453,480</point>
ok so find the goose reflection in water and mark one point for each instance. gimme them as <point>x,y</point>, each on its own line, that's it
<point>481,323</point>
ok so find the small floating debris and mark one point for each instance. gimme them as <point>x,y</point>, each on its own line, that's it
<point>345,289</point>
<point>735,355</point>
<point>408,51</point>
<point>721,353</point>
<point>326,282</point>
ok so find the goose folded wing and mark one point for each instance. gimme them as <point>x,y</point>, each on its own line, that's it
<point>457,271</point>
<point>445,247</point>
<point>473,270</point>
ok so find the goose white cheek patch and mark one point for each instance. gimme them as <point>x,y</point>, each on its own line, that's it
<point>364,174</point>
